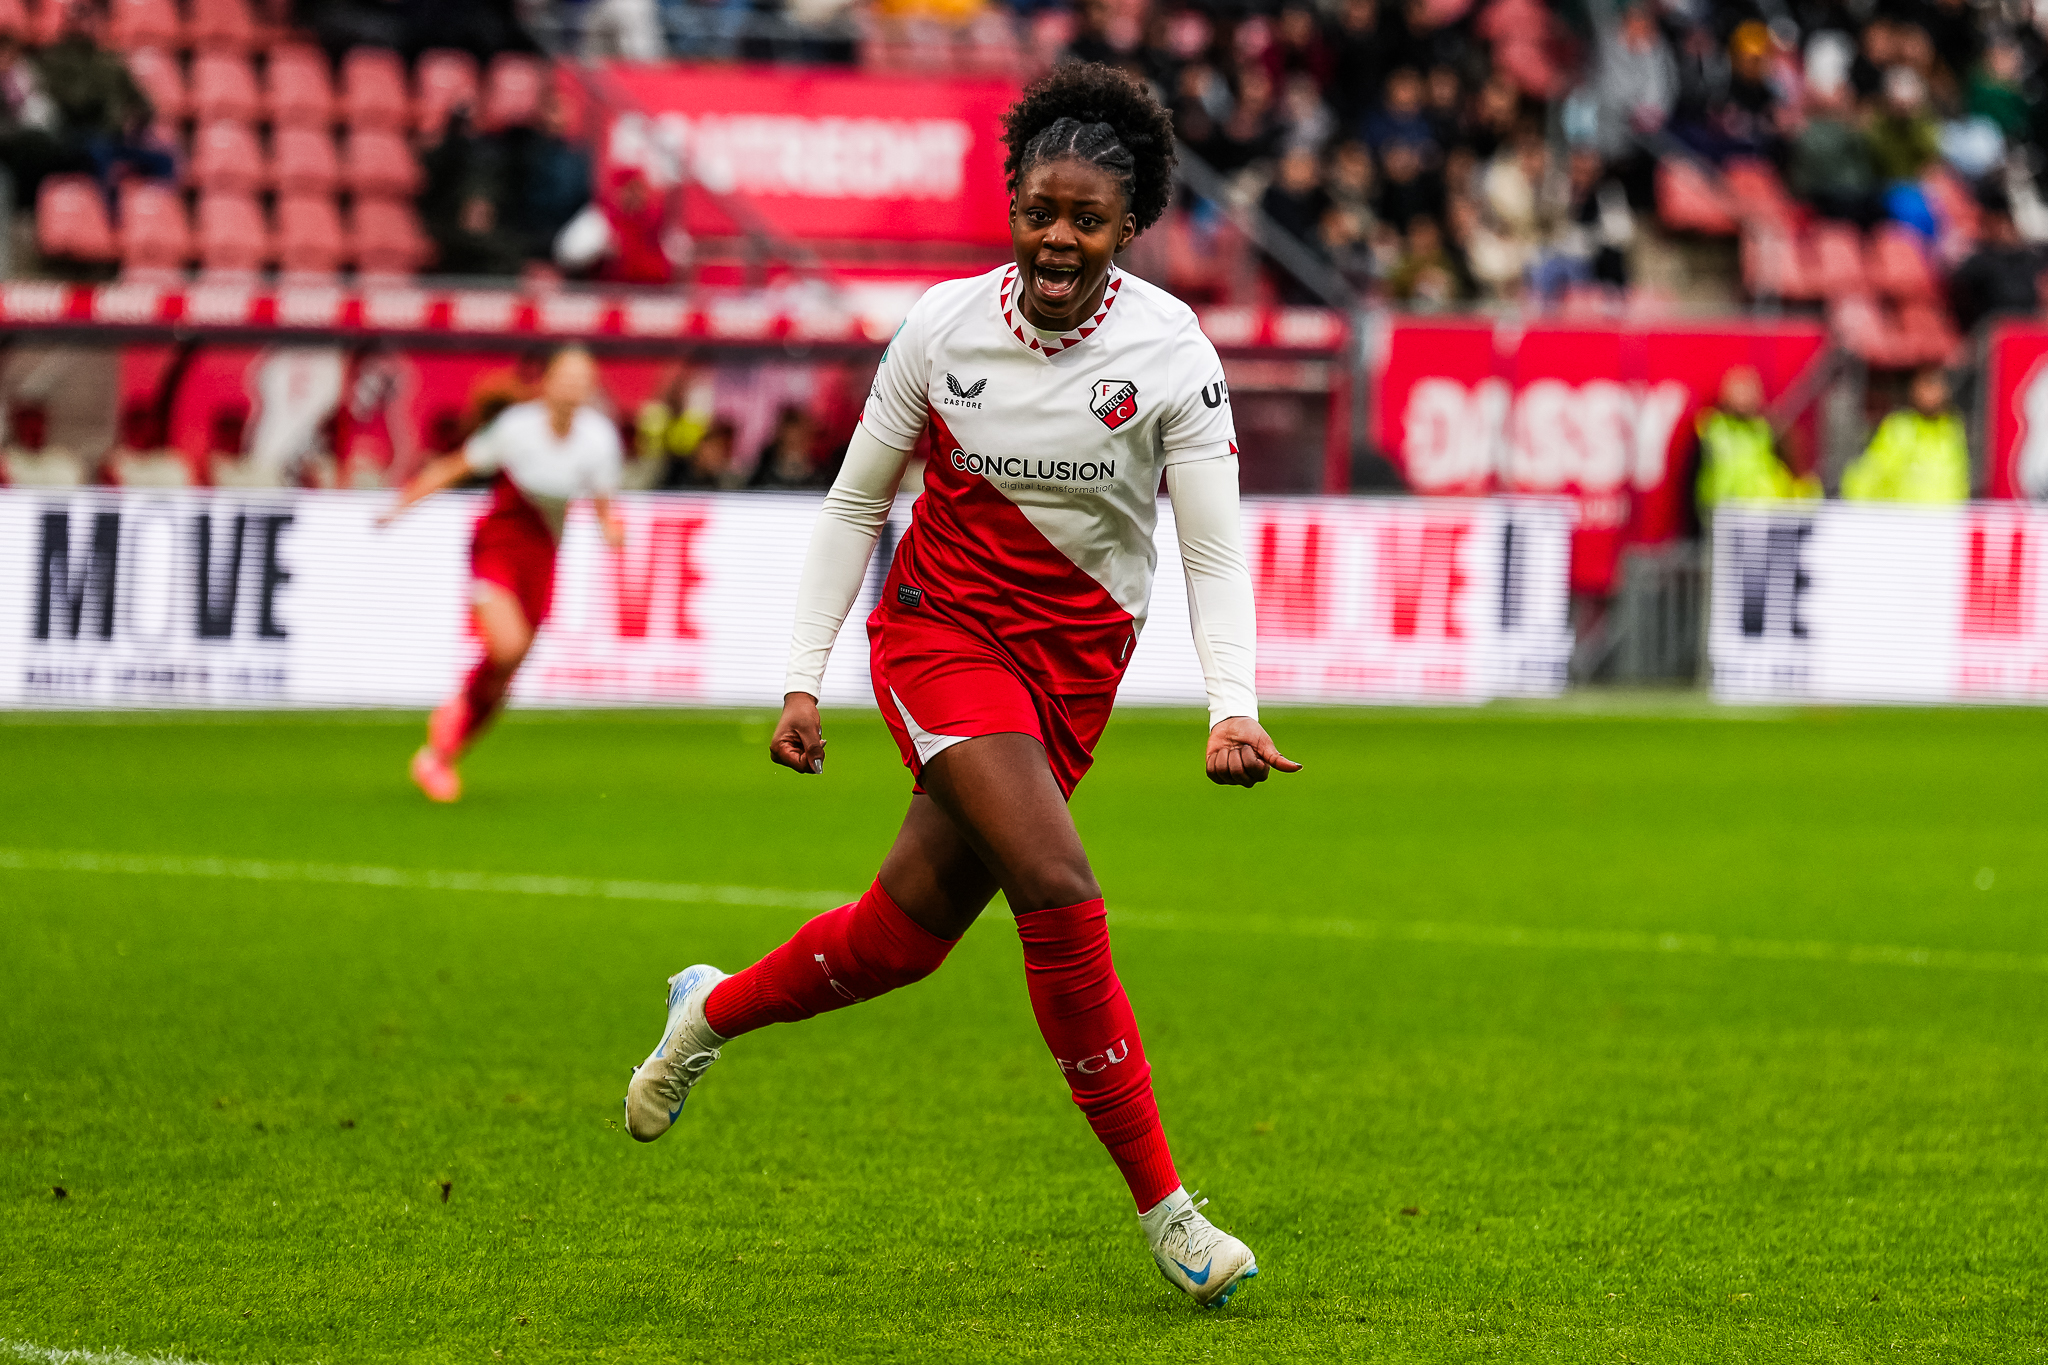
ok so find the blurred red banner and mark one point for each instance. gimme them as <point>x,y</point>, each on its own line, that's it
<point>2016,412</point>
<point>1601,413</point>
<point>818,154</point>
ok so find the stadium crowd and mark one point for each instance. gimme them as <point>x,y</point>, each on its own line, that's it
<point>1875,159</point>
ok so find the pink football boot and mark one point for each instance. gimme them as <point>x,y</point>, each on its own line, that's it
<point>435,775</point>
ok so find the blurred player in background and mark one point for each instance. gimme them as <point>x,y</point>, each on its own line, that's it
<point>545,453</point>
<point>1057,390</point>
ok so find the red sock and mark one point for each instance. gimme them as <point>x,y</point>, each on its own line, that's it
<point>482,695</point>
<point>842,957</point>
<point>1087,1022</point>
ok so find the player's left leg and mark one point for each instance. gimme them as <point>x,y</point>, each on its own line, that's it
<point>507,636</point>
<point>1001,793</point>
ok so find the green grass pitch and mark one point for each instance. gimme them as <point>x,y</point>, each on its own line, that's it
<point>1513,1035</point>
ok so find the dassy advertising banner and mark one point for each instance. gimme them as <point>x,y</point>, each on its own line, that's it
<point>817,153</point>
<point>132,598</point>
<point>2016,412</point>
<point>1603,415</point>
<point>1862,602</point>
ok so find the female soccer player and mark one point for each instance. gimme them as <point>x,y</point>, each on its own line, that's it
<point>545,454</point>
<point>1056,390</point>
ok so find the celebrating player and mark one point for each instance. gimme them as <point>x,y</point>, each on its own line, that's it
<point>1055,390</point>
<point>545,454</point>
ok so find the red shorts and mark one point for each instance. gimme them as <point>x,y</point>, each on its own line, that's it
<point>938,683</point>
<point>513,550</point>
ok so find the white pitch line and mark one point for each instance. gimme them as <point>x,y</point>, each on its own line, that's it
<point>1420,931</point>
<point>415,879</point>
<point>51,1355</point>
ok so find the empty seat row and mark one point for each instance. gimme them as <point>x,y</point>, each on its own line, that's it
<point>371,161</point>
<point>229,233</point>
<point>1912,334</point>
<point>1833,260</point>
<point>208,25</point>
<point>297,89</point>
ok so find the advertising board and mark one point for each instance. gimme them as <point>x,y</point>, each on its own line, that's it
<point>243,598</point>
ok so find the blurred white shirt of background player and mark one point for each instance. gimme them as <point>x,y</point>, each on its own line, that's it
<point>551,471</point>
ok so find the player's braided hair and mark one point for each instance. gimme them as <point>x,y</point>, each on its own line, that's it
<point>1099,115</point>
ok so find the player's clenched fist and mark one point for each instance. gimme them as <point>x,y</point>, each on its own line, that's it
<point>1242,754</point>
<point>799,741</point>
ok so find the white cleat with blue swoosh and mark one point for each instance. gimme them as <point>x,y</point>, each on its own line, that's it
<point>1193,1253</point>
<point>688,1047</point>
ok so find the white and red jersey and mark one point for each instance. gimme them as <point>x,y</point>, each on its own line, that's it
<point>546,470</point>
<point>1041,496</point>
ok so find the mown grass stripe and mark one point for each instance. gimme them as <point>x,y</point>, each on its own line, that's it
<point>1459,935</point>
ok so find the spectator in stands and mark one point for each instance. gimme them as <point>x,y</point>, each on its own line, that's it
<point>1359,68</point>
<point>1408,189</point>
<point>1831,165</point>
<point>549,178</point>
<point>460,165</point>
<point>2003,276</point>
<point>1596,230</point>
<point>637,218</point>
<point>29,146</point>
<point>1252,129</point>
<point>1739,457</point>
<point>1305,120</point>
<point>474,244</point>
<point>710,461</point>
<point>791,459</point>
<point>1636,83</point>
<point>1443,106</point>
<point>1295,201</point>
<point>1997,89</point>
<point>1349,183</point>
<point>1519,199</point>
<point>1430,277</point>
<point>1903,139</point>
<point>1919,453</point>
<point>1496,114</point>
<point>1340,241</point>
<point>1400,118</point>
<point>102,113</point>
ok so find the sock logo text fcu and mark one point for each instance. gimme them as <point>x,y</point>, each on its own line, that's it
<point>1098,1061</point>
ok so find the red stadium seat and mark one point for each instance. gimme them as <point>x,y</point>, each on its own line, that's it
<point>1927,336</point>
<point>373,88</point>
<point>379,163</point>
<point>71,220</point>
<point>223,87</point>
<point>163,80</point>
<point>226,156</point>
<point>297,89</point>
<point>232,234</point>
<point>444,82</point>
<point>1769,263</point>
<point>154,233</point>
<point>304,162</point>
<point>1687,201</point>
<point>387,239</point>
<point>221,25</point>
<point>512,91</point>
<point>309,236</point>
<point>1861,327</point>
<point>138,23</point>
<point>1896,263</point>
<point>45,23</point>
<point>1758,194</point>
<point>1833,257</point>
<point>14,19</point>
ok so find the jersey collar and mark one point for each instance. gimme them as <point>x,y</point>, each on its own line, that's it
<point>1013,315</point>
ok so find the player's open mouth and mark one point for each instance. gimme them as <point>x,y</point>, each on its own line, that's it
<point>1056,282</point>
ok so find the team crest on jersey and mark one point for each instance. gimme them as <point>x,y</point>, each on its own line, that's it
<point>1115,401</point>
<point>963,397</point>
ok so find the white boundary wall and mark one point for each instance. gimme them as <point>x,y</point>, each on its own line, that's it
<point>1859,602</point>
<point>141,598</point>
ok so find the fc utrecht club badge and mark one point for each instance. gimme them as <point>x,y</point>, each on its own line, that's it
<point>1115,402</point>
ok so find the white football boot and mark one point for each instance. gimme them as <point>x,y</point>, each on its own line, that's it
<point>688,1047</point>
<point>1193,1253</point>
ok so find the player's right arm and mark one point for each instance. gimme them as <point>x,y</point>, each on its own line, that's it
<point>479,456</point>
<point>844,538</point>
<point>836,565</point>
<point>445,472</point>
